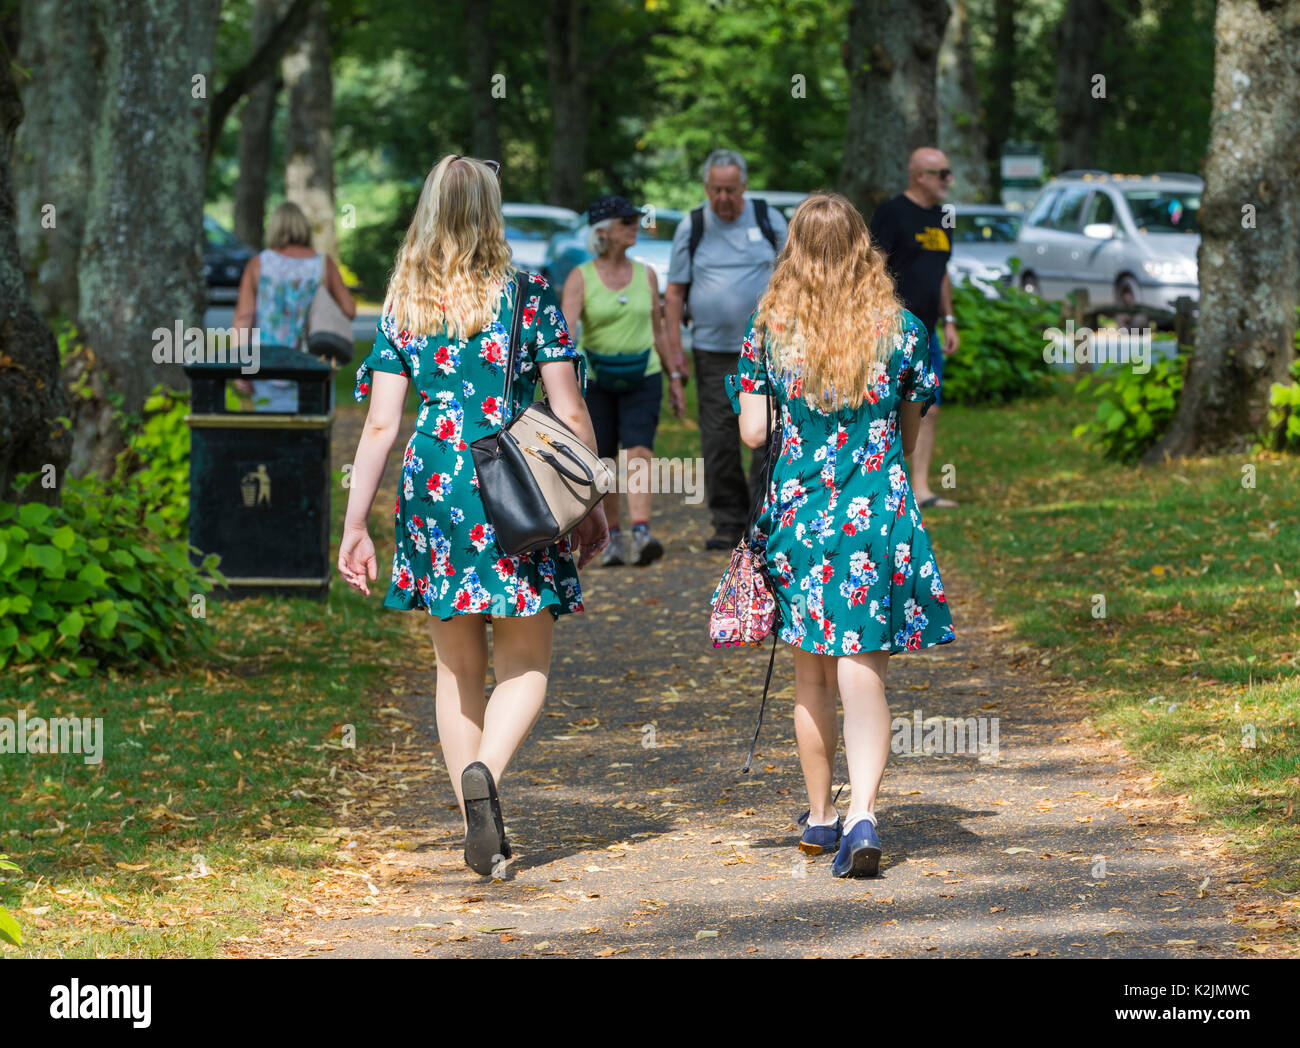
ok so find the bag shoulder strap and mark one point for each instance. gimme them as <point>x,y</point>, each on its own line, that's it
<point>512,351</point>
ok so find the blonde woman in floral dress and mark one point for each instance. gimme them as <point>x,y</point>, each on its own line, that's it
<point>855,577</point>
<point>445,327</point>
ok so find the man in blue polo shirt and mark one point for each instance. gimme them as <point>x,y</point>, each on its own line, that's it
<point>736,241</point>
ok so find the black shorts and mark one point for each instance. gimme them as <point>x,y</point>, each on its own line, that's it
<point>628,419</point>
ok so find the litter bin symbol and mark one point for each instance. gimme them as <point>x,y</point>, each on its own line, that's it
<point>256,487</point>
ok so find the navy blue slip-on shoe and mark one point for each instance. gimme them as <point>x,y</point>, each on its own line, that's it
<point>485,837</point>
<point>818,839</point>
<point>859,854</point>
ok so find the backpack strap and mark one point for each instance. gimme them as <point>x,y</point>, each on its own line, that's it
<point>764,221</point>
<point>697,234</point>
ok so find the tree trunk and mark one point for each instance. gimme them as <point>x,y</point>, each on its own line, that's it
<point>31,394</point>
<point>485,140</point>
<point>141,264</point>
<point>568,81</point>
<point>255,138</point>
<point>1080,98</point>
<point>60,104</point>
<point>309,170</point>
<point>891,59</point>
<point>1250,225</point>
<point>1001,98</point>
<point>961,132</point>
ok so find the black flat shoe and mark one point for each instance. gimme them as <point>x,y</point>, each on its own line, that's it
<point>485,835</point>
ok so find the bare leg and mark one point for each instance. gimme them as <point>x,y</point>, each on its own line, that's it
<point>638,501</point>
<point>521,659</point>
<point>866,726</point>
<point>461,646</point>
<point>922,454</point>
<point>816,729</point>
<point>610,504</point>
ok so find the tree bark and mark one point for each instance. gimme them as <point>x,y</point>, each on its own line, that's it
<point>1001,98</point>
<point>891,57</point>
<point>1081,102</point>
<point>961,117</point>
<point>1249,263</point>
<point>309,169</point>
<point>31,394</point>
<point>141,263</point>
<point>569,100</point>
<point>59,102</point>
<point>485,140</point>
<point>255,138</point>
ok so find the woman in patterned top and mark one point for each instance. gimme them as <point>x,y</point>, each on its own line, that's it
<point>445,327</point>
<point>854,575</point>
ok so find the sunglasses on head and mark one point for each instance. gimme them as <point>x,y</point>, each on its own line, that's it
<point>493,165</point>
<point>943,172</point>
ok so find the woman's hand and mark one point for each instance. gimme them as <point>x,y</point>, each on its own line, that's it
<point>592,535</point>
<point>357,557</point>
<point>676,395</point>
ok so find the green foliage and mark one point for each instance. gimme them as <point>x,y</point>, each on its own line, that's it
<point>98,579</point>
<point>1133,411</point>
<point>9,930</point>
<point>162,444</point>
<point>1000,357</point>
<point>1284,412</point>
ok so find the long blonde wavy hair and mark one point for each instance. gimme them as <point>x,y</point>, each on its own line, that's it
<point>830,312</point>
<point>454,261</point>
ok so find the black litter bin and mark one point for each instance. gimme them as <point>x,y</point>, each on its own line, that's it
<point>260,482</point>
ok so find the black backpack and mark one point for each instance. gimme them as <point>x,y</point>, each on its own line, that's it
<point>697,234</point>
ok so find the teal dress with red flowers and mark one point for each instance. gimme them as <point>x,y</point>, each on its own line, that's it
<point>846,546</point>
<point>446,559</point>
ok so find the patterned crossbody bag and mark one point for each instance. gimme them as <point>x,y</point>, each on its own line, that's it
<point>744,603</point>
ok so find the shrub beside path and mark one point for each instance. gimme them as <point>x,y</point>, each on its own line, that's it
<point>635,833</point>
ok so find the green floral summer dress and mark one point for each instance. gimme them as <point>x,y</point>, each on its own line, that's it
<point>446,559</point>
<point>847,551</point>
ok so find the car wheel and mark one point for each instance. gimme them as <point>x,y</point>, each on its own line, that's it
<point>1029,284</point>
<point>1126,292</point>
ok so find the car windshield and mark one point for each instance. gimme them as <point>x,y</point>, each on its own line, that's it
<point>986,229</point>
<point>1164,211</point>
<point>534,227</point>
<point>217,235</point>
<point>663,229</point>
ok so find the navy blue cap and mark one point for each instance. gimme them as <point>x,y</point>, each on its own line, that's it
<point>611,206</point>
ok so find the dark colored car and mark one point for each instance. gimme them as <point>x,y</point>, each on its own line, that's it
<point>224,258</point>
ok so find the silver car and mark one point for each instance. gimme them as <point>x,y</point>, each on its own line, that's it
<point>983,243</point>
<point>1130,240</point>
<point>530,226</point>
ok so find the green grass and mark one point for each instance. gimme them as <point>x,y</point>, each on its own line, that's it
<point>1199,646</point>
<point>209,808</point>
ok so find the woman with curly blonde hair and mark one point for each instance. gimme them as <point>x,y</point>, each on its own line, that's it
<point>445,326</point>
<point>850,560</point>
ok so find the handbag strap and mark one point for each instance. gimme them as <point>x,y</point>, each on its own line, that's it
<point>512,352</point>
<point>769,460</point>
<point>761,707</point>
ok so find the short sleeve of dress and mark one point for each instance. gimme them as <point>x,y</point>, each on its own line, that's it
<point>916,379</point>
<point>751,369</point>
<point>391,353</point>
<point>544,335</point>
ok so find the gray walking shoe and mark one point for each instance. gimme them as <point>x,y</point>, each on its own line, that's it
<point>616,552</point>
<point>645,548</point>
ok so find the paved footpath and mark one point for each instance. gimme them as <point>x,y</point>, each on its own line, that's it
<point>635,833</point>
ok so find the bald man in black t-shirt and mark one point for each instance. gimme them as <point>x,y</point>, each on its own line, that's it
<point>911,231</point>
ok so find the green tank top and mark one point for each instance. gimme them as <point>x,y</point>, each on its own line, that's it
<point>617,323</point>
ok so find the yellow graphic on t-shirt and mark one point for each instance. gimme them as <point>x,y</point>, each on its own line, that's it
<point>933,239</point>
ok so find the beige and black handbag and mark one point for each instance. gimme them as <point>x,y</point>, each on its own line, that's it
<point>538,481</point>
